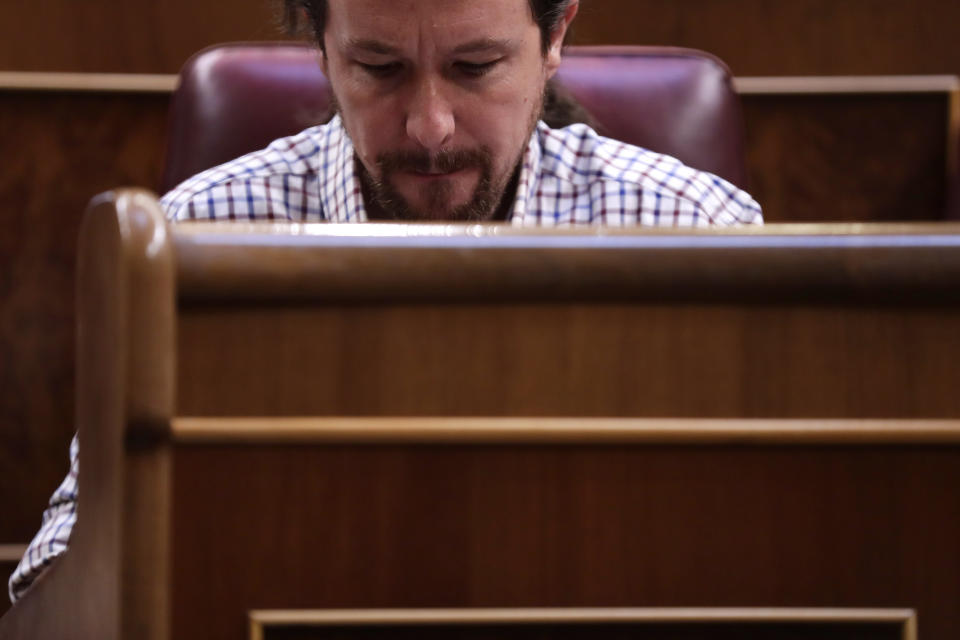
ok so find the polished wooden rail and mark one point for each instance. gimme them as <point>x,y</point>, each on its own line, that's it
<point>746,85</point>
<point>12,552</point>
<point>94,82</point>
<point>605,431</point>
<point>261,621</point>
<point>396,261</point>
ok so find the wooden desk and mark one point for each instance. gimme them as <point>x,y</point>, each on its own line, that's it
<point>467,416</point>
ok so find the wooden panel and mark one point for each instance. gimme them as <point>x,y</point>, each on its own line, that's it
<point>148,36</point>
<point>10,555</point>
<point>387,525</point>
<point>515,526</point>
<point>801,37</point>
<point>59,150</point>
<point>856,157</point>
<point>6,568</point>
<point>64,147</point>
<point>568,359</point>
<point>756,37</point>
<point>866,157</point>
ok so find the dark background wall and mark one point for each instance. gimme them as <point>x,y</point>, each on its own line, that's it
<point>756,37</point>
<point>799,37</point>
<point>61,148</point>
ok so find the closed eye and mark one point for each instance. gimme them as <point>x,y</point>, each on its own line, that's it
<point>476,70</point>
<point>381,70</point>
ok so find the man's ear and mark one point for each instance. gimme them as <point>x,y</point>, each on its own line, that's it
<point>557,37</point>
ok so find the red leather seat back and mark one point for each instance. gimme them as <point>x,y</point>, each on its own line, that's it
<point>675,101</point>
<point>236,98</point>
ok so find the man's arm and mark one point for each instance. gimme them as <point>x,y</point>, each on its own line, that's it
<point>52,539</point>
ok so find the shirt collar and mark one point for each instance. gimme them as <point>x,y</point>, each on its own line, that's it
<point>341,195</point>
<point>529,180</point>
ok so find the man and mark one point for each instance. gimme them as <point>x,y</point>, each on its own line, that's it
<point>438,107</point>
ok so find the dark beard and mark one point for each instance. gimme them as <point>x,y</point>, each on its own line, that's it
<point>385,202</point>
<point>489,201</point>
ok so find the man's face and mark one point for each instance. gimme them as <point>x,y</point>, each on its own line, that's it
<point>439,97</point>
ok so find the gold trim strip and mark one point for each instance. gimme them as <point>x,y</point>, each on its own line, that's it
<point>787,85</point>
<point>12,552</point>
<point>953,134</point>
<point>755,85</point>
<point>910,628</point>
<point>259,619</point>
<point>586,430</point>
<point>93,82</point>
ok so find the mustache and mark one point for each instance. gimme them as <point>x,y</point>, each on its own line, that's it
<point>446,161</point>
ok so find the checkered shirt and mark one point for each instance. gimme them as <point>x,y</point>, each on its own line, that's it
<point>51,541</point>
<point>569,176</point>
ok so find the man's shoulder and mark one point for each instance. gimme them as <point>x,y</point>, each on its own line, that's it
<point>277,182</point>
<point>654,187</point>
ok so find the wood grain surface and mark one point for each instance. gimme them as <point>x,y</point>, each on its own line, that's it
<point>531,523</point>
<point>608,526</point>
<point>850,156</point>
<point>63,147</point>
<point>802,37</point>
<point>150,36</point>
<point>382,524</point>
<point>542,360</point>
<point>111,582</point>
<point>382,263</point>
<point>6,568</point>
<point>60,149</point>
<point>756,37</point>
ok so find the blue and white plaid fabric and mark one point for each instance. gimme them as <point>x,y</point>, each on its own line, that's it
<point>51,540</point>
<point>569,176</point>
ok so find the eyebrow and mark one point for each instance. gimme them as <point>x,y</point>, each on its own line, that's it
<point>483,45</point>
<point>480,45</point>
<point>372,46</point>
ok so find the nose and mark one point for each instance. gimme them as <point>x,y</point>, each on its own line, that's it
<point>430,120</point>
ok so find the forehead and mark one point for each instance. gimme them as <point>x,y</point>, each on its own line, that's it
<point>436,22</point>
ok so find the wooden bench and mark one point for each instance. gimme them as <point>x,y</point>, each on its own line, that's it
<point>459,417</point>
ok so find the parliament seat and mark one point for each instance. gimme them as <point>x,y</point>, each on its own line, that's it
<point>236,98</point>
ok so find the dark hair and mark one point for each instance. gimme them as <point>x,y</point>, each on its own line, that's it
<point>548,14</point>
<point>560,108</point>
